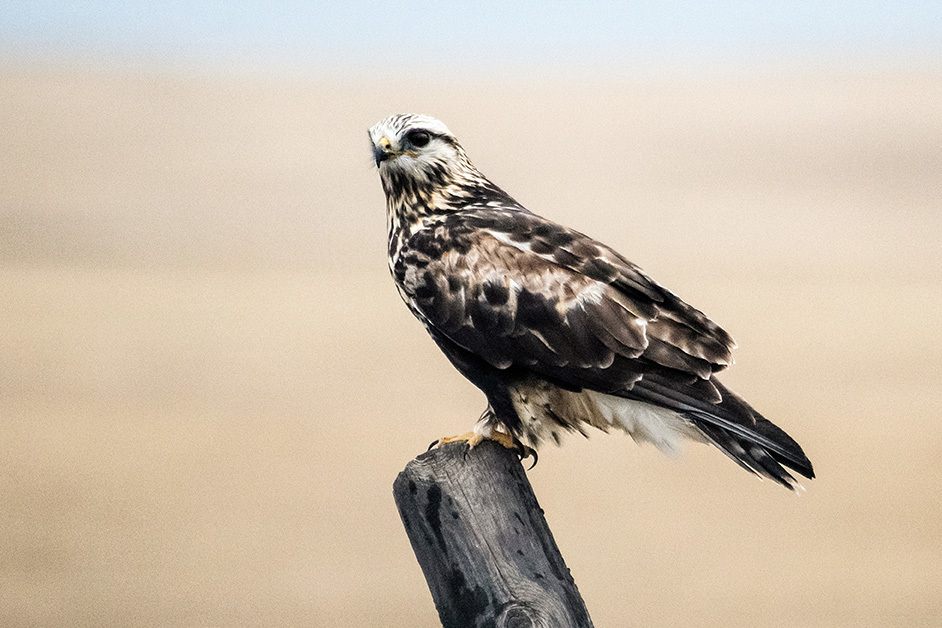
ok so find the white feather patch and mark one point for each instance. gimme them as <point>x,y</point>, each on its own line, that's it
<point>663,428</point>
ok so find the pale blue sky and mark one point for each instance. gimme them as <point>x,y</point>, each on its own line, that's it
<point>371,36</point>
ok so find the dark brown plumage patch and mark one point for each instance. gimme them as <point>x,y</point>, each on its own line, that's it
<point>541,247</point>
<point>496,293</point>
<point>600,269</point>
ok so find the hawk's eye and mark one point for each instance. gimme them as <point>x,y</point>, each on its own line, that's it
<point>418,138</point>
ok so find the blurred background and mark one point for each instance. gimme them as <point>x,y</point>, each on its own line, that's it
<point>208,383</point>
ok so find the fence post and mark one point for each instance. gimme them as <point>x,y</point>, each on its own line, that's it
<point>482,541</point>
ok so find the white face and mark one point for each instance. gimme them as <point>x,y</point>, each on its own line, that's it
<point>414,144</point>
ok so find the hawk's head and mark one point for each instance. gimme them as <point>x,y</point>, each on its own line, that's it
<point>418,148</point>
<point>424,170</point>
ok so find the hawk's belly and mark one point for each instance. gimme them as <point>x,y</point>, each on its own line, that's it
<point>545,411</point>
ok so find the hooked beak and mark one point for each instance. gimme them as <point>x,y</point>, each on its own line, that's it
<point>382,150</point>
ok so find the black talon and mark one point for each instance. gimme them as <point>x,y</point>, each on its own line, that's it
<point>526,452</point>
<point>434,442</point>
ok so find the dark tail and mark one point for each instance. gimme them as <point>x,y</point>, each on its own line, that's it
<point>762,448</point>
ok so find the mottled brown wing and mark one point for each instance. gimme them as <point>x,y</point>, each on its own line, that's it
<point>516,289</point>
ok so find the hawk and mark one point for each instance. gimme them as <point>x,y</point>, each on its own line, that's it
<point>558,330</point>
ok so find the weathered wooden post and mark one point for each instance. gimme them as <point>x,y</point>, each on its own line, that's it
<point>482,541</point>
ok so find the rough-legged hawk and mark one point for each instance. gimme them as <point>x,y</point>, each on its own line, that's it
<point>558,330</point>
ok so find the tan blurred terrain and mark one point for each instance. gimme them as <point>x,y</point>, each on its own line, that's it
<point>209,384</point>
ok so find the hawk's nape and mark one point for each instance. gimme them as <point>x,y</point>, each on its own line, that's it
<point>558,330</point>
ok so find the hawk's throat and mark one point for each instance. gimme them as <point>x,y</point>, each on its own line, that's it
<point>426,194</point>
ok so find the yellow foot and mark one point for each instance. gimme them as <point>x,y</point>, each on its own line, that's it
<point>502,438</point>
